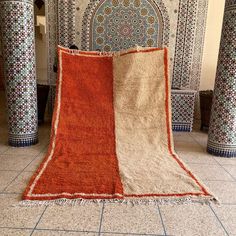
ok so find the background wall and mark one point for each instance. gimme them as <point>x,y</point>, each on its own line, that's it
<point>41,49</point>
<point>212,43</point>
<point>211,48</point>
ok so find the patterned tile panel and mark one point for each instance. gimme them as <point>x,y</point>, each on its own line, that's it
<point>184,43</point>
<point>222,132</point>
<point>66,22</point>
<point>195,73</point>
<point>17,27</point>
<point>52,42</point>
<point>184,21</point>
<point>113,25</point>
<point>182,109</point>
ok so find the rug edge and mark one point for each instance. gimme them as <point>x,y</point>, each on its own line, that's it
<point>205,200</point>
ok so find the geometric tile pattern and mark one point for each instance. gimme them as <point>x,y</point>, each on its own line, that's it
<point>94,33</point>
<point>51,10</point>
<point>116,25</point>
<point>198,45</point>
<point>66,22</point>
<point>222,132</point>
<point>184,48</point>
<point>189,44</point>
<point>17,27</point>
<point>113,25</point>
<point>182,109</point>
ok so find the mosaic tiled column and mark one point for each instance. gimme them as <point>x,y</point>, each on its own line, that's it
<point>17,33</point>
<point>222,131</point>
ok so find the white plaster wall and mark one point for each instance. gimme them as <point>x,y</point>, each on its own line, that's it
<point>212,42</point>
<point>41,50</point>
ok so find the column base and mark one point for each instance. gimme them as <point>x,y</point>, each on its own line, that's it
<point>181,127</point>
<point>222,150</point>
<point>22,140</point>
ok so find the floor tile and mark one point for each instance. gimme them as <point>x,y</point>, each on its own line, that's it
<point>33,166</point>
<point>128,234</point>
<point>199,135</point>
<point>225,191</point>
<point>175,133</point>
<point>202,142</point>
<point>6,177</point>
<point>210,172</point>
<point>20,183</point>
<point>201,139</point>
<point>61,233</point>
<point>227,215</point>
<point>14,162</point>
<point>226,161</point>
<point>188,146</point>
<point>3,147</point>
<point>196,157</point>
<point>15,232</point>
<point>191,220</point>
<point>184,137</point>
<point>131,219</point>
<point>231,169</point>
<point>27,151</point>
<point>16,216</point>
<point>82,218</point>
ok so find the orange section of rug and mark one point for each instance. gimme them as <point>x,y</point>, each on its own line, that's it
<point>81,161</point>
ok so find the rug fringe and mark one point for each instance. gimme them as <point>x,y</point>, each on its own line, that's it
<point>133,202</point>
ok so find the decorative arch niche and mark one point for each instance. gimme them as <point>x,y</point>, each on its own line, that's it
<point>112,25</point>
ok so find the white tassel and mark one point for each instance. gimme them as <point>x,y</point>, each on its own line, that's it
<point>127,201</point>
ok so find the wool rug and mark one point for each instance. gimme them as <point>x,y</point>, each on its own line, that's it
<point>111,136</point>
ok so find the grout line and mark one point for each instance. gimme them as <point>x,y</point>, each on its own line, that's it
<point>101,219</point>
<point>162,221</point>
<point>226,181</point>
<point>42,150</point>
<point>213,157</point>
<point>203,147</point>
<point>54,230</point>
<point>228,204</point>
<point>14,171</point>
<point>66,230</point>
<point>205,164</point>
<point>225,169</point>
<point>141,234</point>
<point>18,228</point>
<point>9,193</point>
<point>38,221</point>
<point>20,155</point>
<point>218,219</point>
<point>80,231</point>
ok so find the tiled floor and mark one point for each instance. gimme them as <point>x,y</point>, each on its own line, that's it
<point>18,164</point>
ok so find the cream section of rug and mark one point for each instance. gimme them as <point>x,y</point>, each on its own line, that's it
<point>147,163</point>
